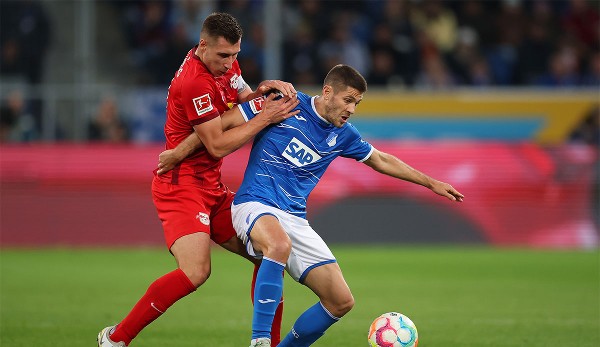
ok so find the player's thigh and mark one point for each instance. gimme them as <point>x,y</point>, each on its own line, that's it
<point>183,210</point>
<point>221,225</point>
<point>260,228</point>
<point>269,237</point>
<point>235,245</point>
<point>329,284</point>
<point>192,253</point>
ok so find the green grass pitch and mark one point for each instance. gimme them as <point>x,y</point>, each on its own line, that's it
<point>456,296</point>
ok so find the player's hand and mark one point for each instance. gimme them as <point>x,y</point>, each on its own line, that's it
<point>167,161</point>
<point>279,110</point>
<point>287,89</point>
<point>444,189</point>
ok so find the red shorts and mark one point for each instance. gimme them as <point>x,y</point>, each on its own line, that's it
<point>188,209</point>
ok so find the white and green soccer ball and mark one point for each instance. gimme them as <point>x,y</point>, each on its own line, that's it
<point>393,329</point>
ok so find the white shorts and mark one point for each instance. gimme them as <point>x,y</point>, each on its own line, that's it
<point>308,248</point>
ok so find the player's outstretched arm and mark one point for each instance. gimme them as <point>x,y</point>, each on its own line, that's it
<point>394,167</point>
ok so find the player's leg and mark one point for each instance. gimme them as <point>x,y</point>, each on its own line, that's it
<point>188,239</point>
<point>276,326</point>
<point>336,300</point>
<point>235,245</point>
<point>269,238</point>
<point>192,253</point>
<point>224,234</point>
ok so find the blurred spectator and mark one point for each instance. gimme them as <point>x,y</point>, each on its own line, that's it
<point>9,116</point>
<point>252,54</point>
<point>480,74</point>
<point>582,20</point>
<point>162,67</point>
<point>509,29</point>
<point>300,55</point>
<point>147,28</point>
<point>534,53</point>
<point>245,11</point>
<point>341,47</point>
<point>438,22</point>
<point>563,70</point>
<point>188,16</point>
<point>16,123</point>
<point>464,55</point>
<point>591,76</point>
<point>107,126</point>
<point>383,71</point>
<point>25,35</point>
<point>306,13</point>
<point>475,14</point>
<point>25,32</point>
<point>435,74</point>
<point>396,16</point>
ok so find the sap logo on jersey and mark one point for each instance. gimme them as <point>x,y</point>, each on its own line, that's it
<point>299,154</point>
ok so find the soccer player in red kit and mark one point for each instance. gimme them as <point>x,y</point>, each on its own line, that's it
<point>192,203</point>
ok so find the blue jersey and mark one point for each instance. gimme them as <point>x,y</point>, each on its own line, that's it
<point>288,159</point>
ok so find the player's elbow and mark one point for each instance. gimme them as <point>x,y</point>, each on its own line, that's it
<point>217,153</point>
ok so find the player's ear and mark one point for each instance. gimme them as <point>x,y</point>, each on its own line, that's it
<point>203,43</point>
<point>327,91</point>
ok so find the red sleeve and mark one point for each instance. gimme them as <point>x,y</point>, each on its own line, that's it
<point>198,101</point>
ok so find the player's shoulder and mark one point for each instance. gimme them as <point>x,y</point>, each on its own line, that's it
<point>199,80</point>
<point>303,97</point>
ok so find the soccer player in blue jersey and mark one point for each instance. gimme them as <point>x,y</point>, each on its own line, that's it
<point>269,210</point>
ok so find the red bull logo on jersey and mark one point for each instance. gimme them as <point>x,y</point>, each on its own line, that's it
<point>234,81</point>
<point>299,154</point>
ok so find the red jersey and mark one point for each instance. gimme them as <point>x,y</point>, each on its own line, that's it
<point>196,96</point>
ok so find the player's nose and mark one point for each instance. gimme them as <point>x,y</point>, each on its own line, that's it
<point>351,108</point>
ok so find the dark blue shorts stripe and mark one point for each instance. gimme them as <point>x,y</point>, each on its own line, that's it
<point>305,273</point>
<point>255,219</point>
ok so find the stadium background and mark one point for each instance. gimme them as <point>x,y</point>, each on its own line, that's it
<point>499,98</point>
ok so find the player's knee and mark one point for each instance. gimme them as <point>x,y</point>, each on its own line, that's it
<point>343,305</point>
<point>197,274</point>
<point>280,249</point>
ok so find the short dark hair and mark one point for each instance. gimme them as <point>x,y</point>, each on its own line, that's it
<point>219,24</point>
<point>342,76</point>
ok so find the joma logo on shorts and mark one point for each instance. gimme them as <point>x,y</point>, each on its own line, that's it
<point>299,154</point>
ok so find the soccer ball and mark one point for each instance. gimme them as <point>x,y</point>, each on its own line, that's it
<point>393,329</point>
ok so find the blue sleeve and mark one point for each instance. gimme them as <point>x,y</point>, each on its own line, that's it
<point>251,108</point>
<point>357,148</point>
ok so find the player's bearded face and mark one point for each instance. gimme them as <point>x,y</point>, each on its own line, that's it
<point>340,105</point>
<point>218,54</point>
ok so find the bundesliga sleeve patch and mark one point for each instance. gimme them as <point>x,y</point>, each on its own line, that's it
<point>256,105</point>
<point>203,104</point>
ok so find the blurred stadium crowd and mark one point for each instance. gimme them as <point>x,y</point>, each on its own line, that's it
<point>415,44</point>
<point>424,43</point>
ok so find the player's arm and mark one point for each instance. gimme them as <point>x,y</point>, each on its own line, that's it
<point>219,143</point>
<point>388,164</point>
<point>171,157</point>
<point>274,111</point>
<point>287,89</point>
